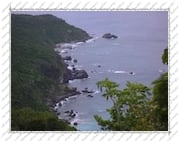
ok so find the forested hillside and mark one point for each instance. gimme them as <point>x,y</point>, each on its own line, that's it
<point>37,70</point>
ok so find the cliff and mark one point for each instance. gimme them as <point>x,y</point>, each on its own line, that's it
<point>36,69</point>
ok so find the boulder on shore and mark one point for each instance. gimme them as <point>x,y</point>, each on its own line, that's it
<point>87,91</point>
<point>74,74</point>
<point>109,36</point>
<point>68,58</point>
<point>79,74</point>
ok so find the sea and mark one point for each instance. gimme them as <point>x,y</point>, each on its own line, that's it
<point>142,37</point>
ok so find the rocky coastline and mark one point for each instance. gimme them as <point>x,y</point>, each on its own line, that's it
<point>70,73</point>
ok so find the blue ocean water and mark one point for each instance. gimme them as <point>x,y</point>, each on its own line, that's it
<point>142,38</point>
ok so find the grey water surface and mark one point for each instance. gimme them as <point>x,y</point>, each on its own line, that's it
<point>142,38</point>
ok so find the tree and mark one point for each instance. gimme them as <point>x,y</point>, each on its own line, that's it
<point>135,107</point>
<point>160,97</point>
<point>165,56</point>
<point>160,100</point>
<point>26,119</point>
<point>130,106</point>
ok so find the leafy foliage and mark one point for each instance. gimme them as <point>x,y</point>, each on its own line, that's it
<point>129,106</point>
<point>135,108</point>
<point>160,98</point>
<point>165,56</point>
<point>26,119</point>
<point>36,68</point>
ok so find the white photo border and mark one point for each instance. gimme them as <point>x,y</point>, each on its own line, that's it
<point>5,71</point>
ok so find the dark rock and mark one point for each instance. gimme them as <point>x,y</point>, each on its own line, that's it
<point>131,73</point>
<point>71,112</point>
<point>109,36</point>
<point>74,74</point>
<point>79,74</point>
<point>90,96</point>
<point>73,115</point>
<point>75,61</point>
<point>67,112</point>
<point>68,58</point>
<point>99,66</point>
<point>73,91</point>
<point>77,92</point>
<point>87,91</point>
<point>59,104</point>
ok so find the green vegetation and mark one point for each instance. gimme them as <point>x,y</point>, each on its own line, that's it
<point>165,56</point>
<point>26,119</point>
<point>160,97</point>
<point>135,108</point>
<point>37,70</point>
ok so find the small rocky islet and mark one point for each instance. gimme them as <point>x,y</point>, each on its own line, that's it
<point>109,36</point>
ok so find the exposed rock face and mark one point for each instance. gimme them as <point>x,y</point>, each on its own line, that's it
<point>68,58</point>
<point>67,76</point>
<point>109,36</point>
<point>74,74</point>
<point>79,74</point>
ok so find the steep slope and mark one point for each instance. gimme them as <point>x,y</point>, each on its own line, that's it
<point>36,68</point>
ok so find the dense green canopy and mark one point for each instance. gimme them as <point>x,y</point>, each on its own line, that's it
<point>36,69</point>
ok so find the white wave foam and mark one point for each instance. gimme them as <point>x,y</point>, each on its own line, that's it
<point>63,51</point>
<point>117,71</point>
<point>68,45</point>
<point>71,81</point>
<point>79,43</point>
<point>78,67</point>
<point>72,97</point>
<point>120,72</point>
<point>70,67</point>
<point>89,41</point>
<point>67,99</point>
<point>62,102</point>
<point>97,92</point>
<point>92,40</point>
